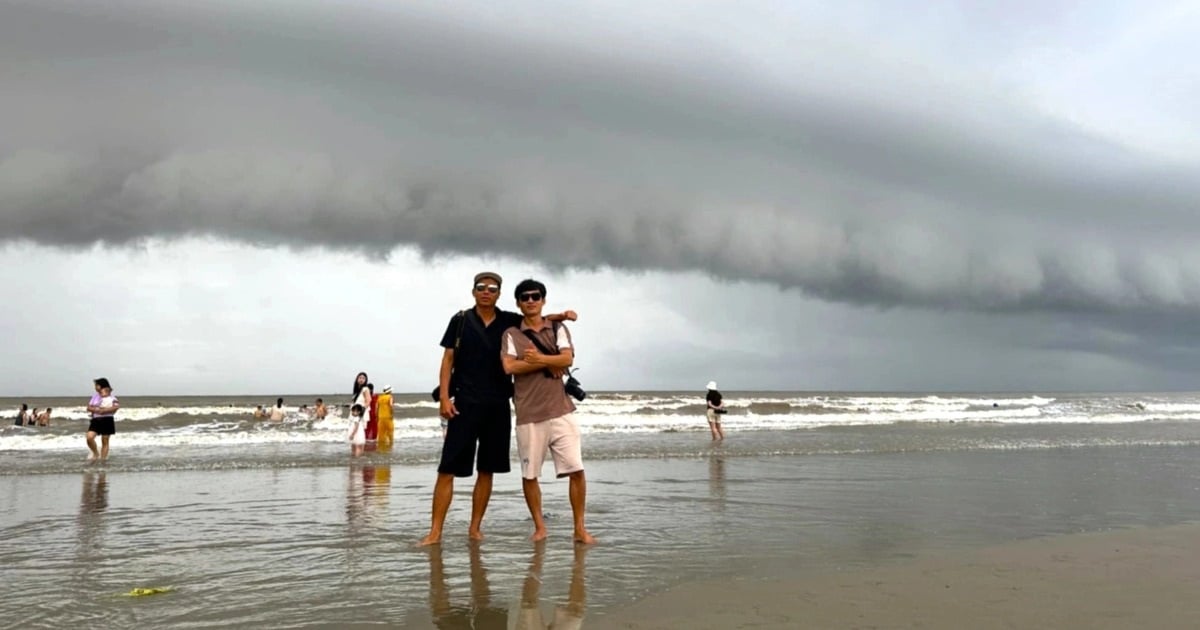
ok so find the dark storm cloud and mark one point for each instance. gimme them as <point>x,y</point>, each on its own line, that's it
<point>354,127</point>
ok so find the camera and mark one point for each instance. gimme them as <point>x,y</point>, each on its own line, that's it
<point>574,388</point>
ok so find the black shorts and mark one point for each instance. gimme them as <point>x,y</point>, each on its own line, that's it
<point>489,424</point>
<point>102,426</point>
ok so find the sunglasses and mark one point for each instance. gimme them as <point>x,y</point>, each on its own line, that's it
<point>530,296</point>
<point>490,288</point>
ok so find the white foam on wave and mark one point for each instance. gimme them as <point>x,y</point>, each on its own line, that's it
<point>638,414</point>
<point>217,433</point>
<point>622,405</point>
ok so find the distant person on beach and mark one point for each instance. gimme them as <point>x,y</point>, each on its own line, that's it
<point>32,416</point>
<point>716,409</point>
<point>536,353</point>
<point>43,419</point>
<point>362,392</point>
<point>103,406</point>
<point>358,426</point>
<point>360,382</point>
<point>383,412</point>
<point>319,412</point>
<point>372,414</point>
<point>277,412</point>
<point>473,393</point>
<point>259,412</point>
<point>21,413</point>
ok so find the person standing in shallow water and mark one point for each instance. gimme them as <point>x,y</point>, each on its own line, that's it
<point>361,394</point>
<point>357,435</point>
<point>372,414</point>
<point>536,353</point>
<point>360,382</point>
<point>383,411</point>
<point>716,409</point>
<point>103,406</point>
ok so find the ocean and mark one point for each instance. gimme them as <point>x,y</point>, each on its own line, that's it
<point>275,525</point>
<point>215,432</point>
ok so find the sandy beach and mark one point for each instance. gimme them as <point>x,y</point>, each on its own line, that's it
<point>1140,578</point>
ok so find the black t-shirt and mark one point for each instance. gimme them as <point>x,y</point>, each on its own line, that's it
<point>478,373</point>
<point>714,397</point>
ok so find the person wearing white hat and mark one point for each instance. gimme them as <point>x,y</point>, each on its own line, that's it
<point>383,411</point>
<point>716,408</point>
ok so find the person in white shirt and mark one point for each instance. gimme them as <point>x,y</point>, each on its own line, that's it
<point>103,406</point>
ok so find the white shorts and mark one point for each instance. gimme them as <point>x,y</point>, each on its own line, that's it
<point>558,435</point>
<point>713,417</point>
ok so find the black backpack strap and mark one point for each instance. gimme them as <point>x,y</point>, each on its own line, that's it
<point>462,321</point>
<point>473,319</point>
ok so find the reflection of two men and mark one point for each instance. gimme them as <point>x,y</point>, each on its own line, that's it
<point>483,613</point>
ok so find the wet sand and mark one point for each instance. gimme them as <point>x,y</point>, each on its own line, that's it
<point>838,540</point>
<point>1140,578</point>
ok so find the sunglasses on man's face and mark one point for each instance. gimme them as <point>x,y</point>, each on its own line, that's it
<point>530,296</point>
<point>490,288</point>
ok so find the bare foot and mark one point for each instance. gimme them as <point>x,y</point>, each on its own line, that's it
<point>584,538</point>
<point>475,534</point>
<point>431,539</point>
<point>91,458</point>
<point>539,535</point>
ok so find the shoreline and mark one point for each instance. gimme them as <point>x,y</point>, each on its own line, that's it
<point>1142,577</point>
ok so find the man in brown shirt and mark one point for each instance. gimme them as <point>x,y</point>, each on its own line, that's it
<point>544,411</point>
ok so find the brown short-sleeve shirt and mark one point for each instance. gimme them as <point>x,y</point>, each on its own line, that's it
<point>537,397</point>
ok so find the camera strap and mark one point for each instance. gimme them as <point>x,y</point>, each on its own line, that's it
<point>537,341</point>
<point>541,346</point>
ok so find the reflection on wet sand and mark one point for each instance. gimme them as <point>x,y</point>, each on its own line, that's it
<point>94,498</point>
<point>367,490</point>
<point>568,616</point>
<point>481,613</point>
<point>716,478</point>
<point>93,502</point>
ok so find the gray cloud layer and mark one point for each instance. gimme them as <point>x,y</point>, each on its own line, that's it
<point>851,177</point>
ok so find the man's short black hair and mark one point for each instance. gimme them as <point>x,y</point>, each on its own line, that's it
<point>529,284</point>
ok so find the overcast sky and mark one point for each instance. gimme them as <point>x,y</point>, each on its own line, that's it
<point>262,197</point>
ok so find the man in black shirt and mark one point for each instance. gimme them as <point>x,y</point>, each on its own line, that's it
<point>473,398</point>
